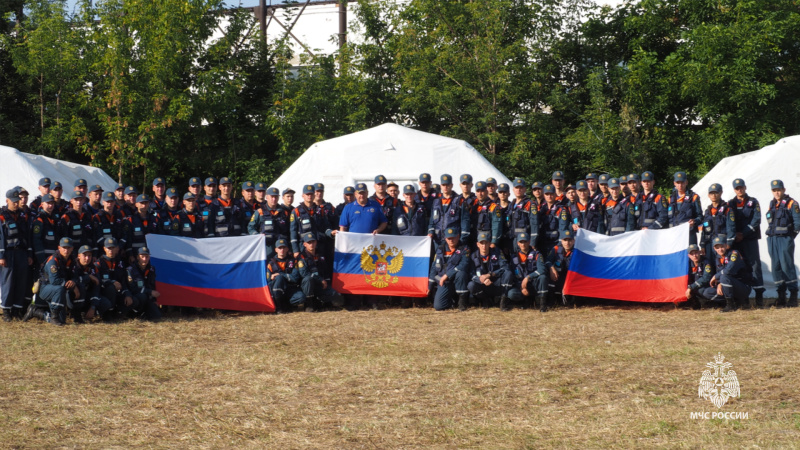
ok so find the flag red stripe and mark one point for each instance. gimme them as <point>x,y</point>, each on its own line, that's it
<point>251,299</point>
<point>360,284</point>
<point>670,290</point>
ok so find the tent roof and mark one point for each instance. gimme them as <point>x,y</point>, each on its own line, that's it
<point>25,169</point>
<point>779,161</point>
<point>397,152</point>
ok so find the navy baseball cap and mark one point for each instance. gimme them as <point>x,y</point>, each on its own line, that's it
<point>188,196</point>
<point>273,191</point>
<point>679,176</point>
<point>285,191</point>
<point>380,179</point>
<point>648,176</point>
<point>172,192</point>
<point>549,189</point>
<point>120,187</point>
<point>84,249</point>
<point>603,178</point>
<point>716,187</point>
<point>281,243</point>
<point>484,236</point>
<point>633,177</point>
<point>56,185</point>
<point>557,175</point>
<point>613,183</point>
<point>319,187</point>
<point>776,184</point>
<point>77,194</point>
<point>409,189</point>
<point>65,242</point>
<point>738,183</point>
<point>446,179</point>
<point>110,242</point>
<point>211,181</point>
<point>131,190</point>
<point>581,185</point>
<point>349,190</point>
<point>308,237</point>
<point>44,181</point>
<point>424,177</point>
<point>570,187</point>
<point>491,181</point>
<point>537,185</point>
<point>96,188</point>
<point>194,181</point>
<point>566,234</point>
<point>623,179</point>
<point>518,182</point>
<point>80,182</point>
<point>502,187</point>
<point>109,197</point>
<point>158,180</point>
<point>466,178</point>
<point>263,187</point>
<point>693,248</point>
<point>225,180</point>
<point>591,176</point>
<point>13,195</point>
<point>21,190</point>
<point>144,251</point>
<point>247,185</point>
<point>143,198</point>
<point>451,233</point>
<point>361,187</point>
<point>720,239</point>
<point>480,186</point>
<point>308,189</point>
<point>46,198</point>
<point>523,237</point>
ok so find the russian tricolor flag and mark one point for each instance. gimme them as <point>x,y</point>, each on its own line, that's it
<point>381,264</point>
<point>639,266</point>
<point>218,273</point>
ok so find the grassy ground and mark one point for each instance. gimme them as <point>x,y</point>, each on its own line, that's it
<point>595,376</point>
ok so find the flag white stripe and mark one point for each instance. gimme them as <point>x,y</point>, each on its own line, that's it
<point>223,250</point>
<point>645,242</point>
<point>355,242</point>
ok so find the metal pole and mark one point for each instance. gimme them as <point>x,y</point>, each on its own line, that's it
<point>342,23</point>
<point>263,19</point>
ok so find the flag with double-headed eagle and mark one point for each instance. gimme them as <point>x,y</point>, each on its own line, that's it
<point>381,264</point>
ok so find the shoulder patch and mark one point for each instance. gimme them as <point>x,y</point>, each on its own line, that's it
<point>176,225</point>
<point>291,218</point>
<point>734,256</point>
<point>708,268</point>
<point>300,264</point>
<point>53,268</point>
<point>37,229</point>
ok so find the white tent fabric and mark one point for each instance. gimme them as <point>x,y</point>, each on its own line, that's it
<point>397,152</point>
<point>779,161</point>
<point>25,169</point>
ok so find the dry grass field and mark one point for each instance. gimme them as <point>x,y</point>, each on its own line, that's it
<point>594,377</point>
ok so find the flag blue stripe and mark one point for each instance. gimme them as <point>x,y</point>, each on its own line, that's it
<point>638,267</point>
<point>243,275</point>
<point>350,263</point>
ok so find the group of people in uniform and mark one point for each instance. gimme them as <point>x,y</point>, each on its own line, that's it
<point>488,249</point>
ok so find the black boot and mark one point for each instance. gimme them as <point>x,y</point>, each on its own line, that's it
<point>759,300</point>
<point>463,299</point>
<point>77,317</point>
<point>18,313</point>
<point>729,305</point>
<point>7,315</point>
<point>58,317</point>
<point>781,303</point>
<point>33,311</point>
<point>504,304</point>
<point>792,299</point>
<point>542,300</point>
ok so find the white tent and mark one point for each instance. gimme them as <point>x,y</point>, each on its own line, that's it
<point>400,154</point>
<point>25,169</point>
<point>758,168</point>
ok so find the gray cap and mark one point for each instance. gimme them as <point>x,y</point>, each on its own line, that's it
<point>720,239</point>
<point>308,237</point>
<point>308,189</point>
<point>566,234</point>
<point>361,187</point>
<point>693,248</point>
<point>65,242</point>
<point>273,191</point>
<point>13,195</point>
<point>679,177</point>
<point>480,186</point>
<point>144,251</point>
<point>143,198</point>
<point>409,189</point>
<point>484,236</point>
<point>738,183</point>
<point>110,243</point>
<point>581,184</point>
<point>613,182</point>
<point>349,190</point>
<point>84,249</point>
<point>281,243</point>
<point>188,196</point>
<point>549,189</point>
<point>451,233</point>
<point>523,237</point>
<point>716,187</point>
<point>502,187</point>
<point>648,176</point>
<point>131,190</point>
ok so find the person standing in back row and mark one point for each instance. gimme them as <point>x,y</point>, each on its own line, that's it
<point>747,217</point>
<point>783,224</point>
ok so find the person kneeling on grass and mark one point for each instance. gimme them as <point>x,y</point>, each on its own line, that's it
<point>530,272</point>
<point>314,273</point>
<point>142,287</point>
<point>492,276</point>
<point>57,282</point>
<point>113,279</point>
<point>733,278</point>
<point>699,278</point>
<point>281,274</point>
<point>558,265</point>
<point>449,272</point>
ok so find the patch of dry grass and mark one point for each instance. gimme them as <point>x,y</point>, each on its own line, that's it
<point>594,376</point>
